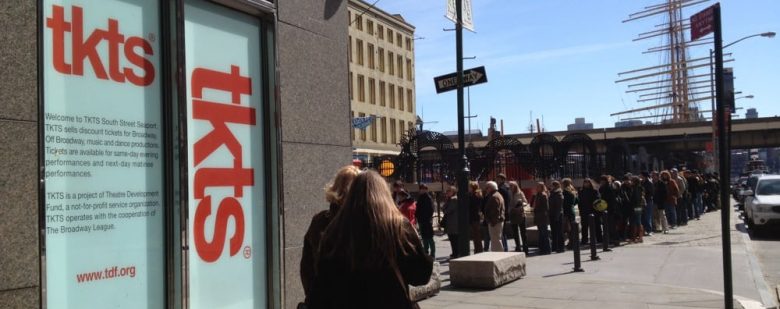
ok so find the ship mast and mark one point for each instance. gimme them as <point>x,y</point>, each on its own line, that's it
<point>671,86</point>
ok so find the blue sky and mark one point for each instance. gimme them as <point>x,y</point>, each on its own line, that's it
<point>559,59</point>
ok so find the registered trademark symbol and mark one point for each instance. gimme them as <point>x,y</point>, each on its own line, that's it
<point>247,252</point>
<point>151,36</point>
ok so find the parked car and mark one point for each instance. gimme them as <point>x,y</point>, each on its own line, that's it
<point>762,205</point>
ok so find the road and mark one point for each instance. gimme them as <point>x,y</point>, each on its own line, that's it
<point>766,250</point>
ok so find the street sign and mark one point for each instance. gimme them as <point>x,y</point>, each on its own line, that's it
<point>471,77</point>
<point>468,20</point>
<point>703,23</point>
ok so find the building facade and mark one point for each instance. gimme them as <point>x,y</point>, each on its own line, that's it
<point>381,79</point>
<point>162,153</point>
<point>579,125</point>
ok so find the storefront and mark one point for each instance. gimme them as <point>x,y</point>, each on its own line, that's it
<point>161,154</point>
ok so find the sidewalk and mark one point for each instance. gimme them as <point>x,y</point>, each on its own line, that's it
<point>682,269</point>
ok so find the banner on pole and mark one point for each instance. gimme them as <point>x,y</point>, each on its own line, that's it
<point>468,19</point>
<point>362,122</point>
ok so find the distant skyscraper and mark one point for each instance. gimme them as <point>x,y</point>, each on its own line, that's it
<point>628,123</point>
<point>751,113</point>
<point>580,125</point>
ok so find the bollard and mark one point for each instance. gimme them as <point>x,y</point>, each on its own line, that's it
<point>592,227</point>
<point>574,239</point>
<point>607,227</point>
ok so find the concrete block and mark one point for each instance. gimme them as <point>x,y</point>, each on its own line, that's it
<point>487,270</point>
<point>417,293</point>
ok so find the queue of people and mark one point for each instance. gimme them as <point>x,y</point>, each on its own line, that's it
<point>377,233</point>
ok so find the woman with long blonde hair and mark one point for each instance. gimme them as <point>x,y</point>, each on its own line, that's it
<point>335,194</point>
<point>369,241</point>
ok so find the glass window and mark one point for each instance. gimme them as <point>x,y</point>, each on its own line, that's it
<point>400,98</point>
<point>402,128</point>
<point>227,236</point>
<point>384,130</point>
<point>370,56</point>
<point>370,27</point>
<point>372,127</point>
<point>382,94</point>
<point>361,88</point>
<point>351,82</point>
<point>769,187</point>
<point>359,22</point>
<point>409,69</point>
<point>390,35</point>
<point>390,66</point>
<point>393,132</point>
<point>359,51</point>
<point>391,92</point>
<point>409,101</point>
<point>371,91</point>
<point>409,44</point>
<point>400,63</point>
<point>380,30</point>
<point>398,40</point>
<point>104,196</point>
<point>349,52</point>
<point>381,59</point>
<point>362,132</point>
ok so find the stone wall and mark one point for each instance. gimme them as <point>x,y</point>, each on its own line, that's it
<point>19,267</point>
<point>314,95</point>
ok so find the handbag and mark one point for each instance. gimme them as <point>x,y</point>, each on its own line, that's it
<point>516,215</point>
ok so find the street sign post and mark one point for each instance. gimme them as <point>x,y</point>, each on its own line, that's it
<point>471,77</point>
<point>705,22</point>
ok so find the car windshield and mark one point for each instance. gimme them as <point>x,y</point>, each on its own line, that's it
<point>769,187</point>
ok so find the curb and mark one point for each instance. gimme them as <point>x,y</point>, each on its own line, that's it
<point>755,269</point>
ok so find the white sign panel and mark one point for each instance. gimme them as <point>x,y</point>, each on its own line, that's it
<point>468,19</point>
<point>225,158</point>
<point>103,154</point>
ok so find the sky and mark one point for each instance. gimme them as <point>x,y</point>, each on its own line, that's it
<point>559,59</point>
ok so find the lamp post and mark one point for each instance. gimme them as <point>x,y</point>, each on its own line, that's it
<point>716,159</point>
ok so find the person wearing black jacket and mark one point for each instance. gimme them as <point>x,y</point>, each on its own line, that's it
<point>610,195</point>
<point>659,197</point>
<point>424,216</point>
<point>587,196</point>
<point>503,189</point>
<point>556,217</point>
<point>647,213</point>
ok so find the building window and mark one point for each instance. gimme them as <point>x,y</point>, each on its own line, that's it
<point>350,49</point>
<point>372,127</point>
<point>398,40</point>
<point>400,63</point>
<point>411,125</point>
<point>391,92</point>
<point>390,65</point>
<point>409,69</point>
<point>352,116</point>
<point>382,94</point>
<point>351,96</point>
<point>381,60</point>
<point>409,44</point>
<point>393,132</point>
<point>359,22</point>
<point>362,132</point>
<point>370,56</point>
<point>402,127</point>
<point>409,101</point>
<point>361,88</point>
<point>371,91</point>
<point>380,30</point>
<point>390,35</point>
<point>370,27</point>
<point>384,130</point>
<point>359,51</point>
<point>400,98</point>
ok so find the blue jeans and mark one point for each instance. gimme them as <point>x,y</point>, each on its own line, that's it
<point>699,204</point>
<point>647,216</point>
<point>544,239</point>
<point>671,214</point>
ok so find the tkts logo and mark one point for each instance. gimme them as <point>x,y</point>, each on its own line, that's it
<point>86,49</point>
<point>235,176</point>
